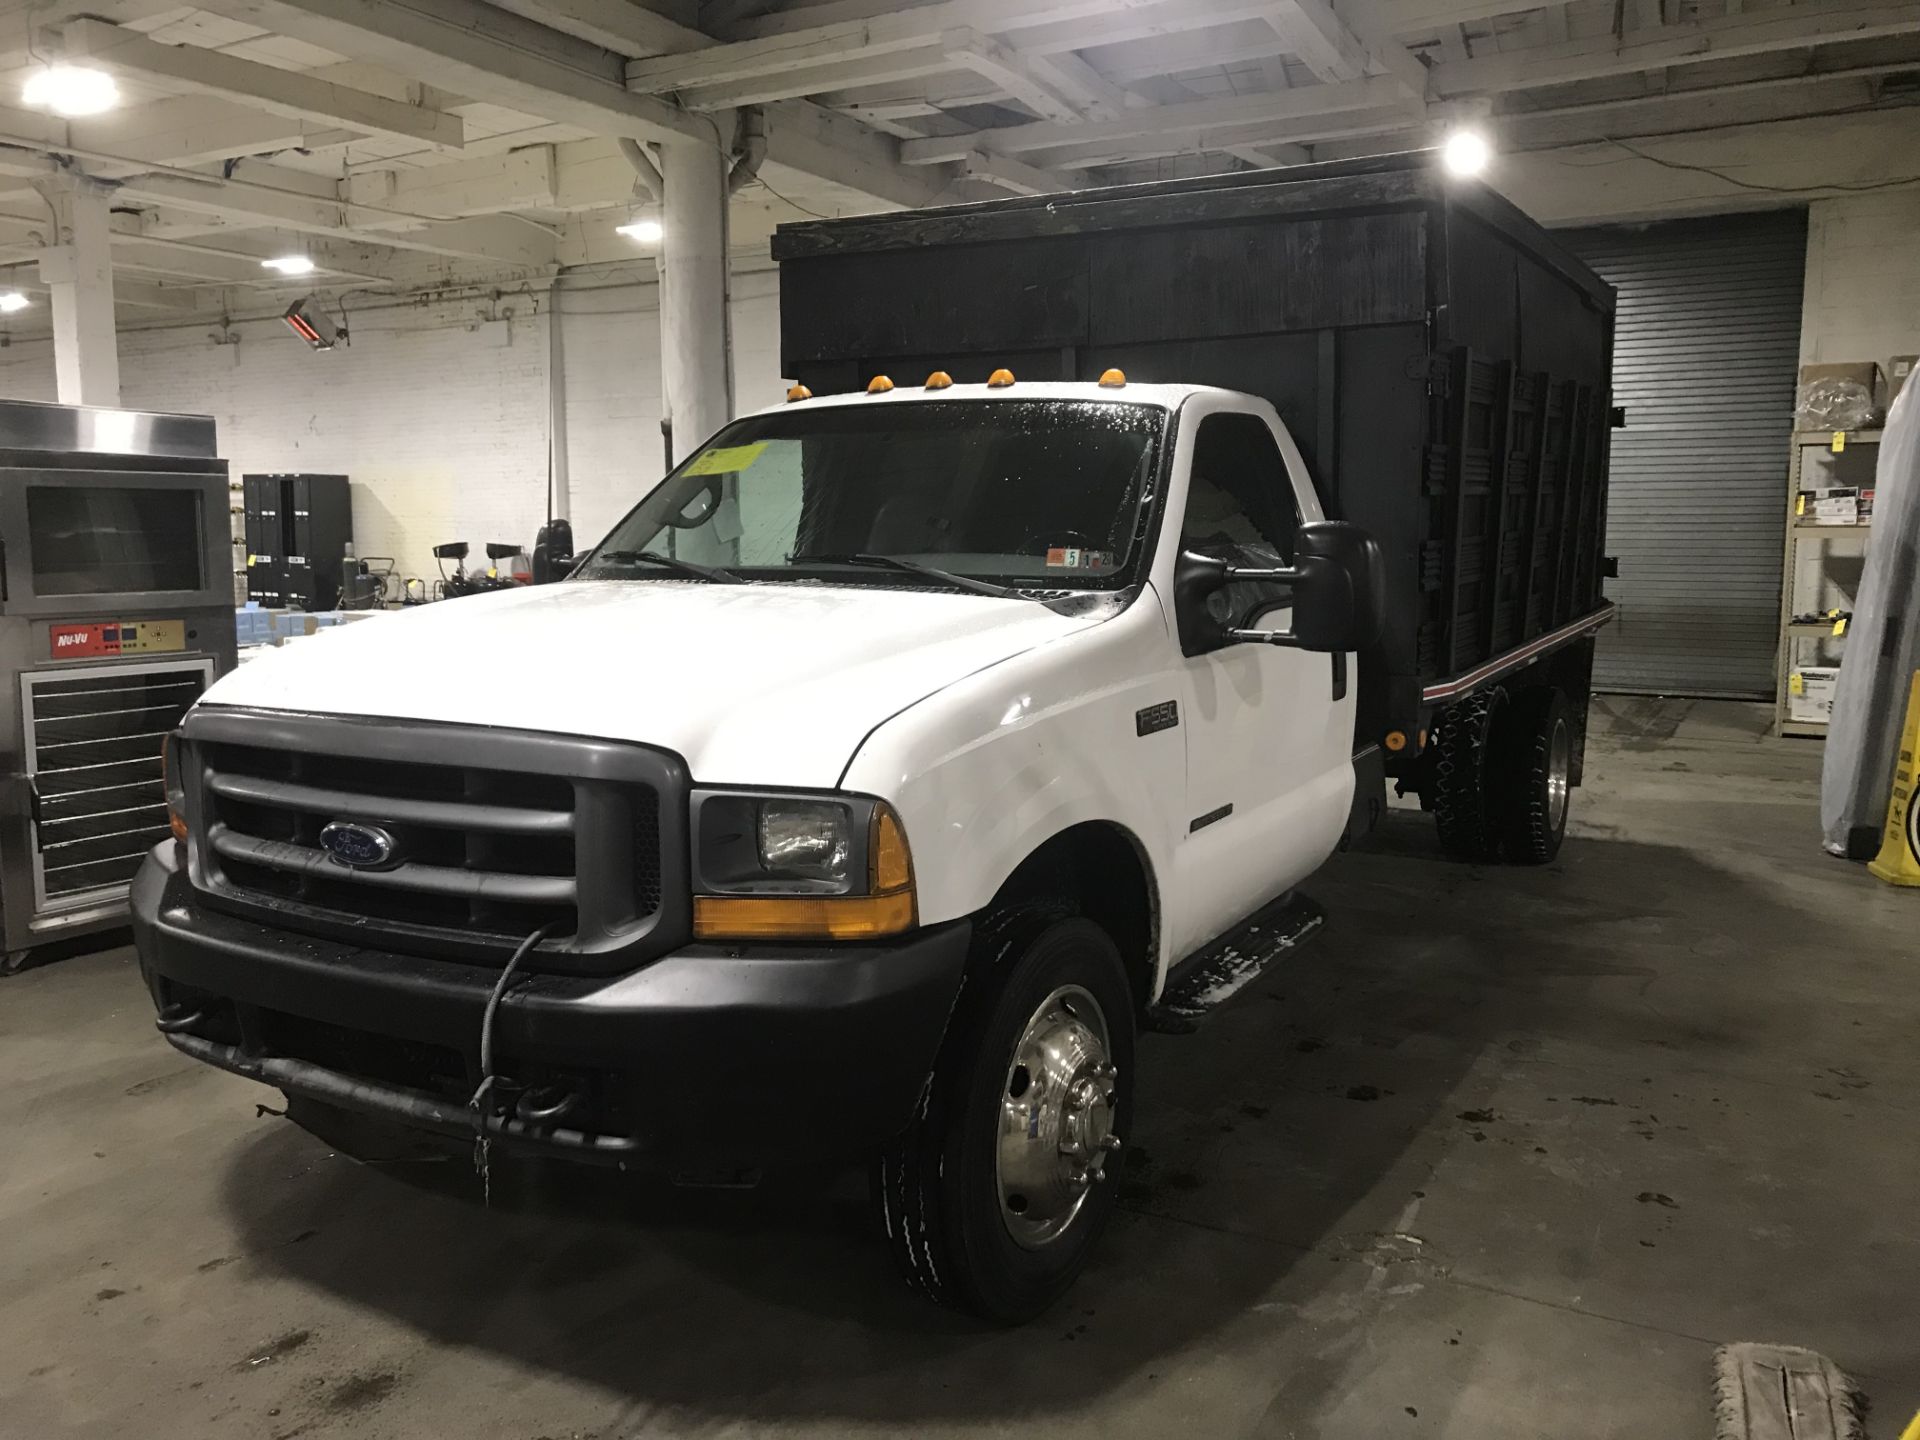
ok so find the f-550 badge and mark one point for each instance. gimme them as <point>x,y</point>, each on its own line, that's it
<point>1163,716</point>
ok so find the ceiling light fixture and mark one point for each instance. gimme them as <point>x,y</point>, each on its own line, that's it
<point>289,264</point>
<point>11,301</point>
<point>1466,152</point>
<point>71,90</point>
<point>642,232</point>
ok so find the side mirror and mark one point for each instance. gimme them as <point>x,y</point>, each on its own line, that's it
<point>1338,584</point>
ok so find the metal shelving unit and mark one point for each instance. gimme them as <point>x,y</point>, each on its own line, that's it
<point>1799,637</point>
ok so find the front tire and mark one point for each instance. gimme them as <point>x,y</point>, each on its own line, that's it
<point>994,1197</point>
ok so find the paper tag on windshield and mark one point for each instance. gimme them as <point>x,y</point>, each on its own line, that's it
<point>1063,558</point>
<point>727,460</point>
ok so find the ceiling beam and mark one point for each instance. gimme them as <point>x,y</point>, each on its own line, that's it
<point>283,205</point>
<point>1809,23</point>
<point>518,180</point>
<point>884,68</point>
<point>815,35</point>
<point>1394,119</point>
<point>1321,39</point>
<point>196,129</point>
<point>482,52</point>
<point>280,92</point>
<point>985,56</point>
<point>1308,103</point>
<point>177,299</point>
<point>215,262</point>
<point>1016,176</point>
<point>618,25</point>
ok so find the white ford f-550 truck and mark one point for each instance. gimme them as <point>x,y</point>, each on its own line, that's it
<point>893,761</point>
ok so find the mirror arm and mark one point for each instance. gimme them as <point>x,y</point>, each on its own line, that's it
<point>1261,637</point>
<point>1286,576</point>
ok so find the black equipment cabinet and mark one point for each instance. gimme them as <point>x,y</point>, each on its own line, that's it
<point>298,529</point>
<point>1442,362</point>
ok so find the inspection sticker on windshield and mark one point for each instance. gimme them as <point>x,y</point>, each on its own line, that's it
<point>726,460</point>
<point>1072,557</point>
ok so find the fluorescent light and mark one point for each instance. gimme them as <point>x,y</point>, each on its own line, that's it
<point>71,90</point>
<point>12,300</point>
<point>1466,152</point>
<point>643,232</point>
<point>289,264</point>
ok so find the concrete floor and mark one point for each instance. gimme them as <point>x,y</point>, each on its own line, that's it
<point>1501,1154</point>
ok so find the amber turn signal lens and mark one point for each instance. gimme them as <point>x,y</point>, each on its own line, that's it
<point>1000,379</point>
<point>170,791</point>
<point>891,862</point>
<point>801,917</point>
<point>879,385</point>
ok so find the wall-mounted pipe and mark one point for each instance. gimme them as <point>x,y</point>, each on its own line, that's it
<point>644,168</point>
<point>749,149</point>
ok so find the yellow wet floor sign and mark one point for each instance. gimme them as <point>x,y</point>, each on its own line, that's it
<point>1899,860</point>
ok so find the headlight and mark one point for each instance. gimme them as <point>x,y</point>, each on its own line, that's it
<point>805,839</point>
<point>799,867</point>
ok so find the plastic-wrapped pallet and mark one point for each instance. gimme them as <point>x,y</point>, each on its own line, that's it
<point>1883,648</point>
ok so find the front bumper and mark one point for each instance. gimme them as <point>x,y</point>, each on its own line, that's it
<point>712,1058</point>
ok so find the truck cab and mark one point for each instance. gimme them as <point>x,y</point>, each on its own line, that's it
<point>857,795</point>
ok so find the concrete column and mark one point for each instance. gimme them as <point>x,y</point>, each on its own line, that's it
<point>696,349</point>
<point>78,273</point>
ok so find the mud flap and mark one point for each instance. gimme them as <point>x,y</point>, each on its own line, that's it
<point>1210,977</point>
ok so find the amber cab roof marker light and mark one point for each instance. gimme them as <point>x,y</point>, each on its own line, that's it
<point>1113,380</point>
<point>879,385</point>
<point>1000,379</point>
<point>799,392</point>
<point>939,380</point>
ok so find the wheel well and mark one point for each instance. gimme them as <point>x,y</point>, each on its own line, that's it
<point>1101,871</point>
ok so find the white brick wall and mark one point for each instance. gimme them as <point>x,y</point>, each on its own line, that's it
<point>438,415</point>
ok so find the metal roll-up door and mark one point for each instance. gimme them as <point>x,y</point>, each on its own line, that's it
<point>1706,349</point>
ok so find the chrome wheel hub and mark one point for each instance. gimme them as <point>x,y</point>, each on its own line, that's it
<point>1056,1117</point>
<point>1559,775</point>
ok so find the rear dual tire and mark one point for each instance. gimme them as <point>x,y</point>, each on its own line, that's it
<point>1502,775</point>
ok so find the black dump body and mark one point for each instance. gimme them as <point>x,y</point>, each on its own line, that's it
<point>1442,363</point>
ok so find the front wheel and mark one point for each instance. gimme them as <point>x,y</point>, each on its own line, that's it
<point>994,1197</point>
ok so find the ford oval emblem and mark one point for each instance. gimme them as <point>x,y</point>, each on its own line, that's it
<point>364,847</point>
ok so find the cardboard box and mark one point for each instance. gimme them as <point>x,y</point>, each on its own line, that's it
<point>1837,505</point>
<point>1864,374</point>
<point>1810,692</point>
<point>1858,372</point>
<point>1898,369</point>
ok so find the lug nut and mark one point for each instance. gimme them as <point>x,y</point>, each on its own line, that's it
<point>1111,1142</point>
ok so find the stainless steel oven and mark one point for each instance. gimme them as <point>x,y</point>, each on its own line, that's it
<point>116,612</point>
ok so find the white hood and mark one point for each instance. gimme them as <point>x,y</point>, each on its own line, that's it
<point>769,684</point>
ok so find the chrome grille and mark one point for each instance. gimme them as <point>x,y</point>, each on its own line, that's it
<point>486,848</point>
<point>93,744</point>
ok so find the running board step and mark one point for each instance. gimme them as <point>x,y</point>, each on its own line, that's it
<point>1208,978</point>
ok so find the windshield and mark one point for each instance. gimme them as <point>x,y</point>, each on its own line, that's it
<point>1028,493</point>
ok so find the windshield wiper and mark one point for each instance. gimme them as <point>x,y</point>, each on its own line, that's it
<point>912,567</point>
<point>671,562</point>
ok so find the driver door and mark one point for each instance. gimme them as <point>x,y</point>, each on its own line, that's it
<point>1269,746</point>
